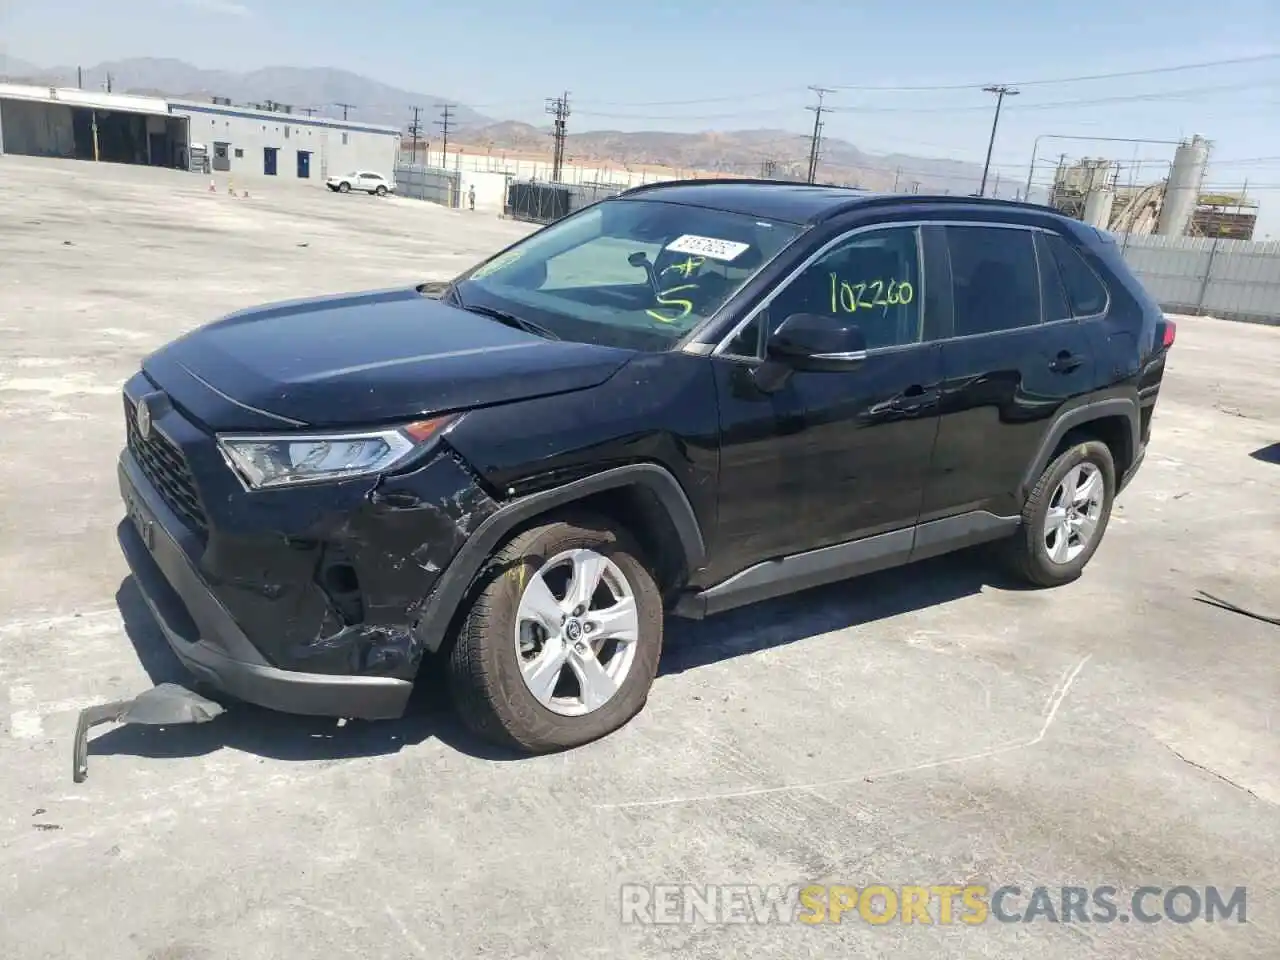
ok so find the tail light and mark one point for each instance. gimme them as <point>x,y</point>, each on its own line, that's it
<point>1167,332</point>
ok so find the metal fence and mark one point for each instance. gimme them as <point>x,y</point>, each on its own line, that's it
<point>1232,279</point>
<point>434,184</point>
<point>545,202</point>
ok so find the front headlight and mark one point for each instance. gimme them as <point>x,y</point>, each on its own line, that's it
<point>283,459</point>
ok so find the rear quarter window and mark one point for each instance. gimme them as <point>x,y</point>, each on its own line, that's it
<point>1086,293</point>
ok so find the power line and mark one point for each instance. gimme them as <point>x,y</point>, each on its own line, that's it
<point>816,140</point>
<point>685,116</point>
<point>1150,71</point>
<point>1050,105</point>
<point>443,124</point>
<point>558,107</point>
<point>345,107</point>
<point>1243,160</point>
<point>936,88</point>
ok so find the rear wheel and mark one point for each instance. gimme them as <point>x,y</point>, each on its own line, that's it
<point>1065,517</point>
<point>381,191</point>
<point>562,641</point>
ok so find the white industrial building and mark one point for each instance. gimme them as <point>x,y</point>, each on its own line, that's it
<point>244,142</point>
<point>249,143</point>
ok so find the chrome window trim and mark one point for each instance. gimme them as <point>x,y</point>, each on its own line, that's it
<point>720,349</point>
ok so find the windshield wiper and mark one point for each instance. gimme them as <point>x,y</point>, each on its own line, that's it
<point>503,316</point>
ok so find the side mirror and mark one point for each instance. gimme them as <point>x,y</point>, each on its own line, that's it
<point>807,341</point>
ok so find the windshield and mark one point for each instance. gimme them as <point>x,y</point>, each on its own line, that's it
<point>633,273</point>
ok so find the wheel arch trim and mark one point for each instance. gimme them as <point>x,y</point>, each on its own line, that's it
<point>1076,417</point>
<point>440,607</point>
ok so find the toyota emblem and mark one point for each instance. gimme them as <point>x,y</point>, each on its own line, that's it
<point>142,418</point>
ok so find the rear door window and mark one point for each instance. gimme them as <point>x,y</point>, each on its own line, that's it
<point>995,280</point>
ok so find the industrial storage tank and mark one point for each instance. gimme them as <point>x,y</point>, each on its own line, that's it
<point>1097,207</point>
<point>1183,191</point>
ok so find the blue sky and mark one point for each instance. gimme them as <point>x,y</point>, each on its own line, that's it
<point>720,65</point>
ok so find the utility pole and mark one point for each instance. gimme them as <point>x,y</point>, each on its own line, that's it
<point>558,107</point>
<point>1058,175</point>
<point>896,175</point>
<point>816,140</point>
<point>79,78</point>
<point>995,190</point>
<point>1001,92</point>
<point>309,111</point>
<point>415,129</point>
<point>345,107</point>
<point>444,124</point>
<point>768,169</point>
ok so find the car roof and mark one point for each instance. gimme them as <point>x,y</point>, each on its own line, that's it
<point>799,203</point>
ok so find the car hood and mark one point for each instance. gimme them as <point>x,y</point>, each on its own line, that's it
<point>364,358</point>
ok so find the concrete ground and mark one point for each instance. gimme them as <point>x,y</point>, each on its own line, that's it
<point>932,725</point>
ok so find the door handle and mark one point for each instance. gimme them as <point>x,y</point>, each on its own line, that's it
<point>913,399</point>
<point>1065,362</point>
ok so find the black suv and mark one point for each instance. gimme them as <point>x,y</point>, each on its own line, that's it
<point>684,399</point>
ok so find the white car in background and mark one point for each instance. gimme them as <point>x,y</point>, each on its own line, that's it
<point>372,183</point>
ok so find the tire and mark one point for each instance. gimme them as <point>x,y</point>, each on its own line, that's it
<point>485,665</point>
<point>344,187</point>
<point>1028,553</point>
<point>381,192</point>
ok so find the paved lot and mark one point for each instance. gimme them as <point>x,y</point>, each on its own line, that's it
<point>926,726</point>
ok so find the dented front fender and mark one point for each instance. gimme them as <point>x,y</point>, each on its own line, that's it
<point>333,581</point>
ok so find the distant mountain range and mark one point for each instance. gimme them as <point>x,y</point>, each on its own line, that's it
<point>776,153</point>
<point>318,88</point>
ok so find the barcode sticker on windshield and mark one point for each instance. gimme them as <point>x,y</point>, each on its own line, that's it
<point>707,247</point>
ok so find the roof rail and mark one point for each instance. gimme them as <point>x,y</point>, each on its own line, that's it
<point>720,181</point>
<point>951,198</point>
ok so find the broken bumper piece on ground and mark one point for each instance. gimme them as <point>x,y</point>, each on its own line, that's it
<point>166,705</point>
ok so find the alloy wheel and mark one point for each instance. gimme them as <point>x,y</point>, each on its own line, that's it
<point>1074,512</point>
<point>576,632</point>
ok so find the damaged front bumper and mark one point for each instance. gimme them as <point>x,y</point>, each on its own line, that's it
<point>305,601</point>
<point>210,644</point>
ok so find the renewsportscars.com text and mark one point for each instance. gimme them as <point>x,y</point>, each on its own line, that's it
<point>941,904</point>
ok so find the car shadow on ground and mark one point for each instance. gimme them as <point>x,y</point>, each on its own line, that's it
<point>1267,454</point>
<point>688,645</point>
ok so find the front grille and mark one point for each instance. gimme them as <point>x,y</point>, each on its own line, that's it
<point>166,468</point>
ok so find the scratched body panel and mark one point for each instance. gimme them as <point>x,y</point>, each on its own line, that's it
<point>284,582</point>
<point>326,578</point>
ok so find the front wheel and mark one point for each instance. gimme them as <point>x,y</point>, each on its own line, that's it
<point>344,187</point>
<point>562,640</point>
<point>1065,517</point>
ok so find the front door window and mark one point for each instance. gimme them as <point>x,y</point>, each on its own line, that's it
<point>872,279</point>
